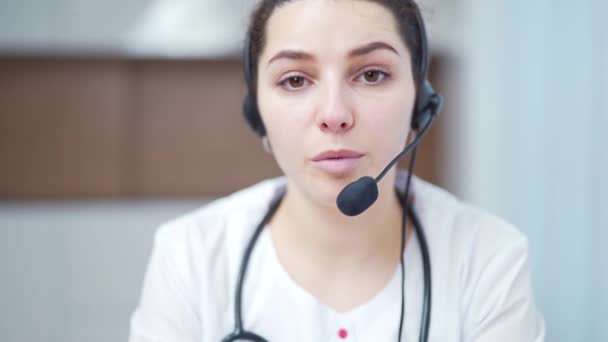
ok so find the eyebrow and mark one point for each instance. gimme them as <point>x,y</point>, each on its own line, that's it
<point>360,51</point>
<point>367,48</point>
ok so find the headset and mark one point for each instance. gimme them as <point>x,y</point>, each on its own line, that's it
<point>428,101</point>
<point>359,195</point>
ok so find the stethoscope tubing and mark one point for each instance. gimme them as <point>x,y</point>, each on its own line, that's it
<point>241,334</point>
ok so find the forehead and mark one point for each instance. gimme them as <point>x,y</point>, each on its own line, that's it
<point>330,27</point>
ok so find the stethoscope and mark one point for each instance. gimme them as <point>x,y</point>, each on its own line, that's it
<point>241,334</point>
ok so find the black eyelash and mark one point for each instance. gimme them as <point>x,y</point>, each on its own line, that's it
<point>385,74</point>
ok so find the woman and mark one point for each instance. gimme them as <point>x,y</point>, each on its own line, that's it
<point>339,87</point>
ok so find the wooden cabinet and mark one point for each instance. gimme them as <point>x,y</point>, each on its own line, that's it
<point>80,127</point>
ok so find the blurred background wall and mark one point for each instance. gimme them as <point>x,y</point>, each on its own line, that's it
<point>116,116</point>
<point>533,145</point>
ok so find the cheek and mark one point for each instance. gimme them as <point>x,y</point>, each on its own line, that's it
<point>387,121</point>
<point>285,117</point>
<point>286,120</point>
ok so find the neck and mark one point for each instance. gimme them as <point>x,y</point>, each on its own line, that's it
<point>324,235</point>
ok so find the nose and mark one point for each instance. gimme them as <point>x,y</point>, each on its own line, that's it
<point>334,115</point>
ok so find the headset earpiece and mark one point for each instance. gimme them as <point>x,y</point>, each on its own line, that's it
<point>428,104</point>
<point>252,115</point>
<point>250,105</point>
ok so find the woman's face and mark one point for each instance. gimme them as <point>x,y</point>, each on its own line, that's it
<point>334,76</point>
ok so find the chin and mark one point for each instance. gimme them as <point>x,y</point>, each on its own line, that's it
<point>325,189</point>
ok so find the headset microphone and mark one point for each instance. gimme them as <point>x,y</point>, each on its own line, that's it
<point>359,195</point>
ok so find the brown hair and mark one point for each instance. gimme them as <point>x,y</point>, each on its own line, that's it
<point>404,11</point>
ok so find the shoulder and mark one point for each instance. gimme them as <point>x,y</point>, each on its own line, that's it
<point>231,216</point>
<point>471,249</point>
<point>480,264</point>
<point>465,228</point>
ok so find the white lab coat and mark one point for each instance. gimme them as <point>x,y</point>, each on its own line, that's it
<point>481,280</point>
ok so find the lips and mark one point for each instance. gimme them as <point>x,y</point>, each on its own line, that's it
<point>338,162</point>
<point>340,154</point>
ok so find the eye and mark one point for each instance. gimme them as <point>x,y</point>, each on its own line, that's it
<point>374,76</point>
<point>293,82</point>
